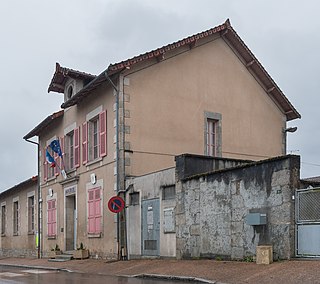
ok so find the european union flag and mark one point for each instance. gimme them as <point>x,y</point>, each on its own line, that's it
<point>55,146</point>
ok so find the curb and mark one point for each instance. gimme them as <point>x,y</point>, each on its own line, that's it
<point>176,278</point>
<point>33,267</point>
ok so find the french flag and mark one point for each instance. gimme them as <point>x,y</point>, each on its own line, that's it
<point>50,159</point>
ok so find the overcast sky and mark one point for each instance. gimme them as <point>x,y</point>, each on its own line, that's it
<point>89,35</point>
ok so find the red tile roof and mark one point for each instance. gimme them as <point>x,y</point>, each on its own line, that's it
<point>29,182</point>
<point>44,124</point>
<point>61,76</point>
<point>226,32</point>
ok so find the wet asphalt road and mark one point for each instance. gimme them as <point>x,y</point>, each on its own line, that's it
<point>38,276</point>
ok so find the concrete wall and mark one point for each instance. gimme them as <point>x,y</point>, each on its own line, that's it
<point>22,243</point>
<point>211,210</point>
<point>149,187</point>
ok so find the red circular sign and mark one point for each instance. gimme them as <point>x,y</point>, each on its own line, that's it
<point>116,204</point>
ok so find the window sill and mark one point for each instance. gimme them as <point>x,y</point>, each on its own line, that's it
<point>3,235</point>
<point>15,234</point>
<point>93,162</point>
<point>30,233</point>
<point>52,237</point>
<point>90,235</point>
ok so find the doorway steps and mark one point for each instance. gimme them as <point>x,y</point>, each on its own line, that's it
<point>66,256</point>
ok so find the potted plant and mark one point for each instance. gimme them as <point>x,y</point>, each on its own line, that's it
<point>55,251</point>
<point>81,252</point>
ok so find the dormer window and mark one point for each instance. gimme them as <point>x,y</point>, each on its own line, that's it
<point>70,92</point>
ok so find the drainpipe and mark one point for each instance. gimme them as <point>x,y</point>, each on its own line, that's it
<point>39,199</point>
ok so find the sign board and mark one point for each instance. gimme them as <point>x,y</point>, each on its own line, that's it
<point>116,204</point>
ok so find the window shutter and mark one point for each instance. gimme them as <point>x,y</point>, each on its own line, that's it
<point>63,153</point>
<point>45,168</point>
<point>57,163</point>
<point>76,144</point>
<point>97,211</point>
<point>91,225</point>
<point>52,219</point>
<point>103,133</point>
<point>84,143</point>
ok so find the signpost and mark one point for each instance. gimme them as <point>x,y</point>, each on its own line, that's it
<point>116,204</point>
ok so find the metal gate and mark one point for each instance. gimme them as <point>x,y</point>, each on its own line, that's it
<point>308,222</point>
<point>150,227</point>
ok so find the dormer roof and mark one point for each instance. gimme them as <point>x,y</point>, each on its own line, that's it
<point>61,76</point>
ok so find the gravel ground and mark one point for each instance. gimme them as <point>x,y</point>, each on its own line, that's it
<point>294,271</point>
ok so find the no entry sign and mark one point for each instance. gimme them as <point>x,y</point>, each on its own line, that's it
<point>116,204</point>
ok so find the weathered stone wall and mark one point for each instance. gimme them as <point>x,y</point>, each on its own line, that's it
<point>211,210</point>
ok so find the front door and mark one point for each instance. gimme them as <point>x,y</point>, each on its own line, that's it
<point>71,222</point>
<point>150,227</point>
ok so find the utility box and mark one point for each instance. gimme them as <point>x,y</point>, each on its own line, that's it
<point>256,219</point>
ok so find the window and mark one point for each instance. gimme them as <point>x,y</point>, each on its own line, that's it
<point>94,211</point>
<point>168,192</point>
<point>94,137</point>
<point>212,134</point>
<point>134,198</point>
<point>31,214</point>
<point>3,220</point>
<point>211,138</point>
<point>69,151</point>
<point>15,218</point>
<point>52,218</point>
<point>49,169</point>
<point>70,92</point>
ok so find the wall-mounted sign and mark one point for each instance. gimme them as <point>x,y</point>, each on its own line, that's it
<point>116,204</point>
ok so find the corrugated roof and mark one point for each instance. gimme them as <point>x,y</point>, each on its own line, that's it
<point>312,179</point>
<point>45,123</point>
<point>61,76</point>
<point>232,39</point>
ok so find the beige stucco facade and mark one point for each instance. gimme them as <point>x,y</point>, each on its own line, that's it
<point>19,220</point>
<point>168,102</point>
<point>71,194</point>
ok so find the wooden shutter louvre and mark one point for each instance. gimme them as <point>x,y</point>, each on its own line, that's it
<point>103,133</point>
<point>84,143</point>
<point>76,144</point>
<point>45,166</point>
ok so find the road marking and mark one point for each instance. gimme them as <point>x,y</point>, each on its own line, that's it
<point>9,274</point>
<point>37,271</point>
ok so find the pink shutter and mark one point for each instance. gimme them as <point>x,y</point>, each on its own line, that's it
<point>84,143</point>
<point>57,162</point>
<point>45,167</point>
<point>63,153</point>
<point>49,223</point>
<point>97,208</point>
<point>76,147</point>
<point>103,133</point>
<point>91,223</point>
<point>54,218</point>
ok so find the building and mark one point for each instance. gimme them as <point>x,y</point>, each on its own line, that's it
<point>206,94</point>
<point>209,207</point>
<point>19,219</point>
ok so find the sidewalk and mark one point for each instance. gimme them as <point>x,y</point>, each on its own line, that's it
<point>295,271</point>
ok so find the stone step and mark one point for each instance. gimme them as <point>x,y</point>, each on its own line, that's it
<point>64,256</point>
<point>57,260</point>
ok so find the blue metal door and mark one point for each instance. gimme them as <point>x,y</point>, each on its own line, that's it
<point>150,227</point>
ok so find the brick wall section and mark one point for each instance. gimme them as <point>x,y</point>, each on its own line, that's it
<point>211,210</point>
